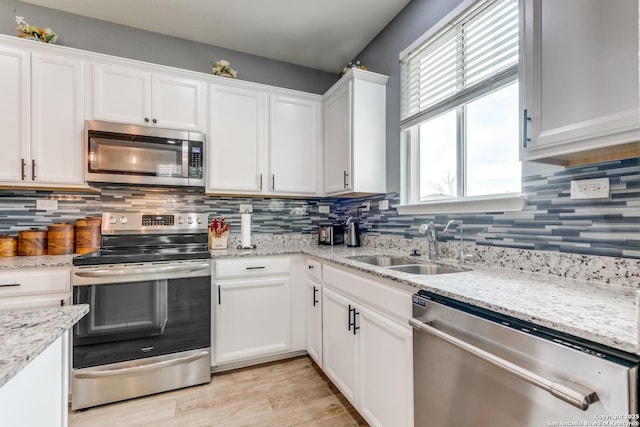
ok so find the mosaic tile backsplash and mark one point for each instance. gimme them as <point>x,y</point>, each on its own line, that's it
<point>550,220</point>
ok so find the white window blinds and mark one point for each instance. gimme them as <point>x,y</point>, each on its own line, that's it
<point>475,54</point>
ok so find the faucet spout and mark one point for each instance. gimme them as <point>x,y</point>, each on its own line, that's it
<point>461,255</point>
<point>432,238</point>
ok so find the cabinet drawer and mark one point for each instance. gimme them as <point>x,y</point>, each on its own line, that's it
<point>314,270</point>
<point>32,282</point>
<point>392,302</point>
<point>252,266</point>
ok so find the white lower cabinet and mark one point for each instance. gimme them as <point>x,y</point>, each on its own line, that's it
<point>35,288</point>
<point>313,311</point>
<point>37,395</point>
<point>339,343</point>
<point>367,354</point>
<point>253,310</point>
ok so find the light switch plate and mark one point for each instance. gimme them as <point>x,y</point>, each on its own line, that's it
<point>46,205</point>
<point>366,207</point>
<point>383,205</point>
<point>324,209</point>
<point>244,208</point>
<point>597,188</point>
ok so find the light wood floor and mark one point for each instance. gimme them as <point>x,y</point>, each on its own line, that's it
<point>293,392</point>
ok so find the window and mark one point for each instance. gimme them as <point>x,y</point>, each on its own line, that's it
<point>460,106</point>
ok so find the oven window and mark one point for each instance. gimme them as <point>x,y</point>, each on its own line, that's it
<point>126,308</point>
<point>132,320</point>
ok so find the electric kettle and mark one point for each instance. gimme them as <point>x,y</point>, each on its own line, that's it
<point>353,233</point>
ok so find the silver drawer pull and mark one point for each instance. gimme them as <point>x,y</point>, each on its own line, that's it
<point>578,398</point>
<point>255,268</point>
<point>10,285</point>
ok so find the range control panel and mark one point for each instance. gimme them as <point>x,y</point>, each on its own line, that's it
<point>153,223</point>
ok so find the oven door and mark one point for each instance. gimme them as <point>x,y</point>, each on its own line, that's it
<point>139,311</point>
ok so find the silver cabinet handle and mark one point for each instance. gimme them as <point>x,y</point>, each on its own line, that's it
<point>10,285</point>
<point>260,182</point>
<point>23,165</point>
<point>578,398</point>
<point>273,182</point>
<point>143,368</point>
<point>255,268</point>
<point>346,179</point>
<point>107,272</point>
<point>33,169</point>
<point>525,128</point>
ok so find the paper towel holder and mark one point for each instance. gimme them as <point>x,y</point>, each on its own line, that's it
<point>241,246</point>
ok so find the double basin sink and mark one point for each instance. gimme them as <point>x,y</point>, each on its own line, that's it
<point>407,265</point>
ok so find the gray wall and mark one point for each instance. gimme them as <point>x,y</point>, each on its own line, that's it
<point>103,37</point>
<point>382,56</point>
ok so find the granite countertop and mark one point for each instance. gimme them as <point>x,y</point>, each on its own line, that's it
<point>24,334</point>
<point>8,263</point>
<point>601,313</point>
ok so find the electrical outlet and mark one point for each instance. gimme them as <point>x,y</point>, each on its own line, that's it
<point>383,205</point>
<point>324,209</point>
<point>366,207</point>
<point>590,189</point>
<point>245,208</point>
<point>46,205</point>
<point>299,211</point>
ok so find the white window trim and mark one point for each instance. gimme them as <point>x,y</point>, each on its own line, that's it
<point>510,202</point>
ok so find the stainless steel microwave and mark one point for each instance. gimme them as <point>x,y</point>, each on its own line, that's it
<point>130,154</point>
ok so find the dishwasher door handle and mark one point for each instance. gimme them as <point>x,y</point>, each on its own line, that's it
<point>581,399</point>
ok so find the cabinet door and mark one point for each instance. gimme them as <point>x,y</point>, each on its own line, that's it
<point>253,318</point>
<point>338,343</point>
<point>385,370</point>
<point>42,384</point>
<point>236,140</point>
<point>313,307</point>
<point>337,149</point>
<point>580,76</point>
<point>14,110</point>
<point>293,145</point>
<point>57,119</point>
<point>121,94</point>
<point>177,103</point>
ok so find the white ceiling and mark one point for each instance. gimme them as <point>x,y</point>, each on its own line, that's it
<point>321,34</point>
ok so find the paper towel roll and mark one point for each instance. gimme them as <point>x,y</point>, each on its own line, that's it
<point>245,230</point>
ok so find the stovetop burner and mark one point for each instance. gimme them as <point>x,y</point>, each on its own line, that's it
<point>149,242</point>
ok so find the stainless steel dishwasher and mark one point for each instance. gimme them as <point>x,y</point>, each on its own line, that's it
<point>475,367</point>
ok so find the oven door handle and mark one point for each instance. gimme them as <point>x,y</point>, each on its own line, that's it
<point>141,369</point>
<point>581,399</point>
<point>135,271</point>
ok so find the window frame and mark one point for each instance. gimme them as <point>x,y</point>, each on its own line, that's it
<point>410,143</point>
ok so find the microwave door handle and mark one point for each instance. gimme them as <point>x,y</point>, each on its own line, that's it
<point>185,159</point>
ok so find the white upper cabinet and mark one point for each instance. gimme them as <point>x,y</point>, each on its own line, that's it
<point>579,80</point>
<point>236,140</point>
<point>15,109</point>
<point>293,136</point>
<point>57,112</point>
<point>134,95</point>
<point>42,110</point>
<point>355,134</point>
<point>261,143</point>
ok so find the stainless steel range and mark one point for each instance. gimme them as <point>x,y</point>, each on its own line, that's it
<point>149,291</point>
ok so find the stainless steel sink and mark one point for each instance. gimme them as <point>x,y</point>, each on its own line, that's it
<point>427,269</point>
<point>384,261</point>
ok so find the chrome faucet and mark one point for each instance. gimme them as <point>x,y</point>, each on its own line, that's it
<point>462,257</point>
<point>432,238</point>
